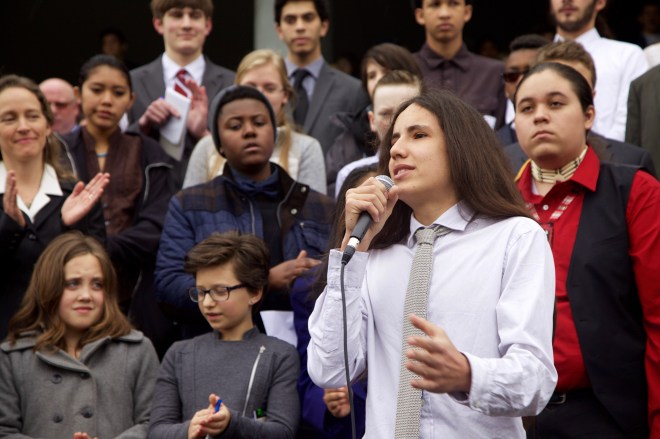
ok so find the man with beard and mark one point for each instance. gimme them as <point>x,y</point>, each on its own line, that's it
<point>617,63</point>
<point>446,62</point>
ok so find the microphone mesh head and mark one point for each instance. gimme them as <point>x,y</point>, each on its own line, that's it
<point>387,181</point>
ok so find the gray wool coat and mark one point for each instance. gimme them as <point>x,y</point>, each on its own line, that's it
<point>106,393</point>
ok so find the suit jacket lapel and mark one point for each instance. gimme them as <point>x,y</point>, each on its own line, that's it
<point>212,79</point>
<point>152,81</point>
<point>322,89</point>
<point>48,211</point>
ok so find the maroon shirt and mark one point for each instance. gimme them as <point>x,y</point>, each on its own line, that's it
<point>474,78</point>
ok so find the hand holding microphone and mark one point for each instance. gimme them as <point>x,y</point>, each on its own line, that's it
<point>367,208</point>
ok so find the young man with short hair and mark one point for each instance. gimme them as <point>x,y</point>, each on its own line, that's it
<point>617,63</point>
<point>522,52</point>
<point>184,26</point>
<point>446,62</point>
<point>322,91</point>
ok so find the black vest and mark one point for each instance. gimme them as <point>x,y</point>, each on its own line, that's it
<point>606,309</point>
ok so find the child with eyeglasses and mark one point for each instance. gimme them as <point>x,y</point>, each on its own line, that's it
<point>233,380</point>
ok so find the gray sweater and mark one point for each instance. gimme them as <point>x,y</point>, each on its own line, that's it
<point>193,369</point>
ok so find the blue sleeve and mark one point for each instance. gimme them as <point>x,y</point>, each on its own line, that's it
<point>171,282</point>
<point>314,412</point>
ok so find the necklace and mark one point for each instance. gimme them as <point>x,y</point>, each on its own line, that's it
<point>557,175</point>
<point>101,155</point>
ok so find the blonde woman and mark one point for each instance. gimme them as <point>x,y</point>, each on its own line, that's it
<point>298,154</point>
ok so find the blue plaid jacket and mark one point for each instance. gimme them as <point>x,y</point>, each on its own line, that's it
<point>219,206</point>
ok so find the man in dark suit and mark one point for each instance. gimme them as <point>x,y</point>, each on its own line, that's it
<point>321,91</point>
<point>183,67</point>
<point>643,124</point>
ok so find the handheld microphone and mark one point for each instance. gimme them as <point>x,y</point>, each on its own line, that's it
<point>362,225</point>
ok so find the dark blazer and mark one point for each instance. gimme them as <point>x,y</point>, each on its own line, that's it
<point>608,150</point>
<point>21,247</point>
<point>148,85</point>
<point>506,134</point>
<point>643,123</point>
<point>335,92</point>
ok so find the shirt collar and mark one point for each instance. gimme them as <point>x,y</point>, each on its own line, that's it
<point>455,218</point>
<point>588,37</point>
<point>195,69</point>
<point>462,59</point>
<point>314,67</point>
<point>50,185</point>
<point>586,175</point>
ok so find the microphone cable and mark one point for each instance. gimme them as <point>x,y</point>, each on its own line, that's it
<point>348,375</point>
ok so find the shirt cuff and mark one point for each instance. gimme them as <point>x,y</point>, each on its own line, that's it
<point>477,380</point>
<point>353,273</point>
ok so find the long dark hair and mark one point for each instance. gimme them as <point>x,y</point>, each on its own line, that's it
<point>480,172</point>
<point>107,61</point>
<point>391,57</point>
<point>353,179</point>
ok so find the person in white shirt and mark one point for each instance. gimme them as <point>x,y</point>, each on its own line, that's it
<point>617,63</point>
<point>487,358</point>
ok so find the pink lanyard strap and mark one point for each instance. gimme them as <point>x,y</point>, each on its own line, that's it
<point>568,199</point>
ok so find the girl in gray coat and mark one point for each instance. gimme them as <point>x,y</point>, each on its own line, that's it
<point>72,367</point>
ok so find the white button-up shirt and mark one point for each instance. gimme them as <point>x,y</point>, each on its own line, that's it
<point>49,185</point>
<point>492,291</point>
<point>195,69</point>
<point>617,65</point>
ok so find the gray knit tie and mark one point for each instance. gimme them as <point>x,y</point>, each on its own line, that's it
<point>409,399</point>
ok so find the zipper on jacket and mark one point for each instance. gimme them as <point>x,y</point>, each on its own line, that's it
<point>254,371</point>
<point>284,200</point>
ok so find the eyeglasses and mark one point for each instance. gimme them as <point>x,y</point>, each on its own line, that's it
<point>219,293</point>
<point>61,105</point>
<point>513,76</point>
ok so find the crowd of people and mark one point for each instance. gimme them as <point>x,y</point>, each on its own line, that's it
<point>172,237</point>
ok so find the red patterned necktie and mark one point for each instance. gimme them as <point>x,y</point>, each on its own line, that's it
<point>180,82</point>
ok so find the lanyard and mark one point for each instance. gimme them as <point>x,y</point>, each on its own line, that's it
<point>558,212</point>
<point>568,199</point>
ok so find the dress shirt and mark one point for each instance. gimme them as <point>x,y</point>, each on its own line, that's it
<point>309,82</point>
<point>347,169</point>
<point>492,291</point>
<point>195,69</point>
<point>617,65</point>
<point>474,78</point>
<point>510,114</point>
<point>49,186</point>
